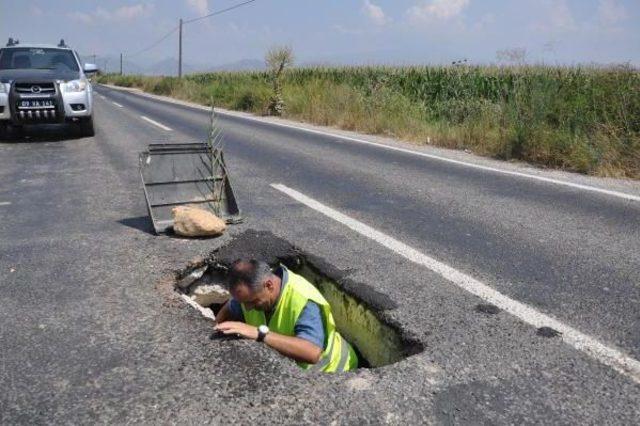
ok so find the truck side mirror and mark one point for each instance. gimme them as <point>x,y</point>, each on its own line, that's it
<point>90,68</point>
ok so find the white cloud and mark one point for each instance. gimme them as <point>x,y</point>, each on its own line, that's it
<point>121,14</point>
<point>101,14</point>
<point>441,10</point>
<point>127,13</point>
<point>83,18</point>
<point>557,17</point>
<point>200,6</point>
<point>374,13</point>
<point>611,12</point>
<point>348,30</point>
<point>561,16</point>
<point>35,10</point>
<point>486,21</point>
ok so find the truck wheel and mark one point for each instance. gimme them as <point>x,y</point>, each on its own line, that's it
<point>86,127</point>
<point>4,131</point>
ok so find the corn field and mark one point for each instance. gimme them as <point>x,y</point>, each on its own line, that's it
<point>584,119</point>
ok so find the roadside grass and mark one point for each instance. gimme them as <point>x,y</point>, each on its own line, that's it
<point>583,119</point>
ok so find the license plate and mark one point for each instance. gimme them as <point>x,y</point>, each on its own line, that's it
<point>36,103</point>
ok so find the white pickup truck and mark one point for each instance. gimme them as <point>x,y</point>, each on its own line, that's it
<point>42,84</point>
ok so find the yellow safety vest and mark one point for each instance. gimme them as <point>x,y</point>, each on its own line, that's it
<point>338,355</point>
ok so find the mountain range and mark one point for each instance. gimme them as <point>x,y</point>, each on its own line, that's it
<point>169,66</point>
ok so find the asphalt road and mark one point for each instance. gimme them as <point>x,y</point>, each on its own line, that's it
<point>86,337</point>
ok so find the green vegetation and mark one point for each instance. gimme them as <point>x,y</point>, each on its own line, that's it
<point>584,119</point>
<point>278,59</point>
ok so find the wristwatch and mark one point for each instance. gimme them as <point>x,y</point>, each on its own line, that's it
<point>262,332</point>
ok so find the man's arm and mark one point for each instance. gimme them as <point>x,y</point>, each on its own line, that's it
<point>289,346</point>
<point>231,311</point>
<point>294,347</point>
<point>224,314</point>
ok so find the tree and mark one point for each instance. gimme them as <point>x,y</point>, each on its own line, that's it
<point>516,55</point>
<point>277,59</point>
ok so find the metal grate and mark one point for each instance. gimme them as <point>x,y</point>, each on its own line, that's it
<point>186,174</point>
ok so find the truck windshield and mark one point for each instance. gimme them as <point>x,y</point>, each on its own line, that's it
<point>37,58</point>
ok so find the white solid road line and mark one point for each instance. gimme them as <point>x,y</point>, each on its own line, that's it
<point>5,203</point>
<point>610,356</point>
<point>155,123</point>
<point>618,194</point>
<point>117,104</point>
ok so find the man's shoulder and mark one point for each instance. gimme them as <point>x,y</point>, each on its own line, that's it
<point>311,307</point>
<point>305,288</point>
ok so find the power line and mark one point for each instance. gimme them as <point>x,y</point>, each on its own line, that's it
<point>146,49</point>
<point>179,27</point>
<point>188,21</point>
<point>173,30</point>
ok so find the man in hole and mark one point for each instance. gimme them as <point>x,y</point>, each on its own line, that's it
<point>286,312</point>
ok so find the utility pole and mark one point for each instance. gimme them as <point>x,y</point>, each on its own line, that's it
<point>94,58</point>
<point>121,64</point>
<point>180,50</point>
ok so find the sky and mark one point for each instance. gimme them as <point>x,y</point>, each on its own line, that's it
<point>397,32</point>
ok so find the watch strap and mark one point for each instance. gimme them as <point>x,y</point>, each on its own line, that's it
<point>261,336</point>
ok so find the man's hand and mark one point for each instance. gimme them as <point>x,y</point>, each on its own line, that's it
<point>289,346</point>
<point>241,329</point>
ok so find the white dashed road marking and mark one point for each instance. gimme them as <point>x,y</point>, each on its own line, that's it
<point>5,203</point>
<point>155,123</point>
<point>117,104</point>
<point>607,355</point>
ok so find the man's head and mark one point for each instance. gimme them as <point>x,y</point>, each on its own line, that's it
<point>254,284</point>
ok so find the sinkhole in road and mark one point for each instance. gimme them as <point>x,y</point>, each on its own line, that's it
<point>361,313</point>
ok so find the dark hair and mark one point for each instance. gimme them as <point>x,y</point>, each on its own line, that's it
<point>251,273</point>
